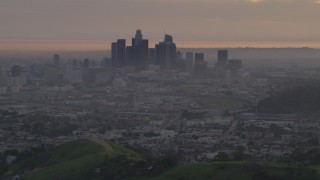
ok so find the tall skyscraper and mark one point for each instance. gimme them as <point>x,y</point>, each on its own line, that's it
<point>135,55</point>
<point>189,62</point>
<point>222,57</point>
<point>166,53</point>
<point>140,51</point>
<point>114,54</point>
<point>200,65</point>
<point>152,56</point>
<point>168,39</point>
<point>138,37</point>
<point>130,61</point>
<point>121,53</point>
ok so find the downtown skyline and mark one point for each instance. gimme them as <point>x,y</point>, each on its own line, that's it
<point>91,25</point>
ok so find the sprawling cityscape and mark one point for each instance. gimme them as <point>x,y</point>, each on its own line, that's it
<point>157,101</point>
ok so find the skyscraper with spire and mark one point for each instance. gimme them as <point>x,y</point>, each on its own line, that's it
<point>140,51</point>
<point>138,37</point>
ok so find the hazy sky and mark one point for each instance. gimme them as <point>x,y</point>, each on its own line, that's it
<point>219,22</point>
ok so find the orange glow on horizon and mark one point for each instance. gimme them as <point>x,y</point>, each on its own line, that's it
<point>64,46</point>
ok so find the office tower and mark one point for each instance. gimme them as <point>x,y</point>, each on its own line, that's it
<point>138,37</point>
<point>168,39</point>
<point>180,63</point>
<point>189,62</point>
<point>86,63</point>
<point>118,53</point>
<point>152,56</point>
<point>114,54</point>
<point>166,53</point>
<point>140,51</point>
<point>198,57</point>
<point>130,61</point>
<point>121,53</point>
<point>200,66</point>
<point>222,57</point>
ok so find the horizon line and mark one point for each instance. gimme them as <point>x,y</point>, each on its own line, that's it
<point>100,45</point>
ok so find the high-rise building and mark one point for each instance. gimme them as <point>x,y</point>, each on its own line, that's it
<point>200,65</point>
<point>222,57</point>
<point>189,62</point>
<point>138,37</point>
<point>168,39</point>
<point>135,55</point>
<point>140,51</point>
<point>121,53</point>
<point>199,57</point>
<point>118,53</point>
<point>129,56</point>
<point>114,54</point>
<point>166,53</point>
<point>152,55</point>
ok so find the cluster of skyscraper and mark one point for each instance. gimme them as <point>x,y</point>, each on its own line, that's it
<point>165,56</point>
<point>139,55</point>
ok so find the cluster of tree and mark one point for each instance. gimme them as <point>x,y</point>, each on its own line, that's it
<point>31,158</point>
<point>311,157</point>
<point>52,130</point>
<point>236,156</point>
<point>299,98</point>
<point>121,167</point>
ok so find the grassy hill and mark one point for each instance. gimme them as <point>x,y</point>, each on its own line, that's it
<point>79,160</point>
<point>236,171</point>
<point>74,160</point>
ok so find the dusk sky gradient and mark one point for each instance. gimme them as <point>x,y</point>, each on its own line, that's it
<point>27,24</point>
